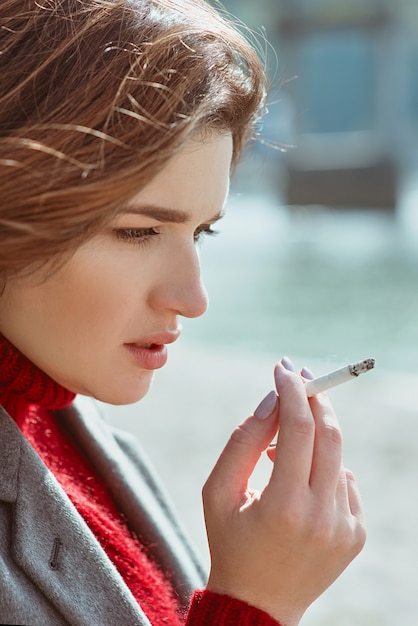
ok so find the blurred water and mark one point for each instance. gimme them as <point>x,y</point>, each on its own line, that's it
<point>312,282</point>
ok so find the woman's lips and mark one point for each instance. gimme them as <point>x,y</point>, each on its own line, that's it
<point>150,352</point>
<point>148,356</point>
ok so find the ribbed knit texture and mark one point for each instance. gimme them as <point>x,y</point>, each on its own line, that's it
<point>30,397</point>
<point>22,380</point>
<point>210,608</point>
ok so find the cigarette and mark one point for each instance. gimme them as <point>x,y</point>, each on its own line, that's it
<point>337,377</point>
<point>334,378</point>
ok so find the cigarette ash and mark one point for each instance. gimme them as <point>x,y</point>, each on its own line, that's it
<point>362,366</point>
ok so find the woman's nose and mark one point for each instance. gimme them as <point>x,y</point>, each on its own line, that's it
<point>181,289</point>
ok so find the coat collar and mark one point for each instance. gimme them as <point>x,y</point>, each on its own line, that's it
<point>10,451</point>
<point>62,557</point>
<point>137,492</point>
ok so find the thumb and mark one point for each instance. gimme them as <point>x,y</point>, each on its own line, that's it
<point>229,477</point>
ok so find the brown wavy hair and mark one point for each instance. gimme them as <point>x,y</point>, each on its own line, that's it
<point>95,97</point>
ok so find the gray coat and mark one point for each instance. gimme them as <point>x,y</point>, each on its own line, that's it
<point>52,569</point>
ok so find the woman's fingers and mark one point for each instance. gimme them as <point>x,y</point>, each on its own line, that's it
<point>229,477</point>
<point>354,498</point>
<point>293,459</point>
<point>327,455</point>
<point>309,446</point>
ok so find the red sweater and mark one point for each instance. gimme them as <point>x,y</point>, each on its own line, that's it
<point>30,397</point>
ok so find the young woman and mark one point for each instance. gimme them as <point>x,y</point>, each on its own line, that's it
<point>120,123</point>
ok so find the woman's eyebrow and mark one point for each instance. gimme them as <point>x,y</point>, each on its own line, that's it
<point>163,214</point>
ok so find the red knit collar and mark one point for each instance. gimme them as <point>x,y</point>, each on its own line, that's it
<point>20,377</point>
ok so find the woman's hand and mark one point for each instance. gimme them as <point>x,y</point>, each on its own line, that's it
<point>280,549</point>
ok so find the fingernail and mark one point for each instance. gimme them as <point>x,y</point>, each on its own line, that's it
<point>306,373</point>
<point>266,406</point>
<point>287,364</point>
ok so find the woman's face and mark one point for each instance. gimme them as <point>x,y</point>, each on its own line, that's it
<point>101,323</point>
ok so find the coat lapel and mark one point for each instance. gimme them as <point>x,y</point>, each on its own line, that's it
<point>137,492</point>
<point>52,544</point>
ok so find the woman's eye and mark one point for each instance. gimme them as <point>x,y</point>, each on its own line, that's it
<point>144,235</point>
<point>135,235</point>
<point>205,229</point>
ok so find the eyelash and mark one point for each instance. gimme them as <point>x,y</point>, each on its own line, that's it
<point>141,236</point>
<point>205,229</point>
<point>135,235</point>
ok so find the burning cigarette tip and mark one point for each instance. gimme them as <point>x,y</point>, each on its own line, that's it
<point>362,366</point>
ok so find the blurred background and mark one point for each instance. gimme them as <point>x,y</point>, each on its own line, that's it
<point>317,259</point>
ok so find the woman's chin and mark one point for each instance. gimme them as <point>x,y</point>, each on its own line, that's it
<point>124,394</point>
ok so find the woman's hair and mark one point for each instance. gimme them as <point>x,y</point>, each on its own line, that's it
<point>95,97</point>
